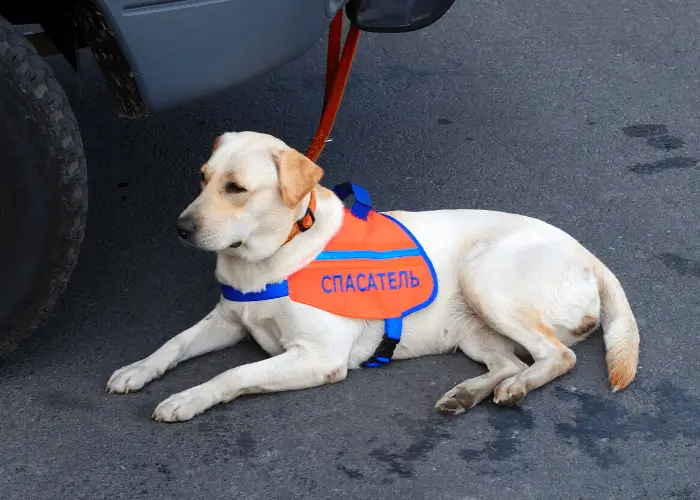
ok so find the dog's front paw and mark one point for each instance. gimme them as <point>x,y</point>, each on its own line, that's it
<point>182,406</point>
<point>131,378</point>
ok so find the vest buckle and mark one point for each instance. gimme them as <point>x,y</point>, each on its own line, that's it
<point>382,356</point>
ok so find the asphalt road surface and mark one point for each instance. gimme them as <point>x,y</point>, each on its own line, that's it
<point>584,114</point>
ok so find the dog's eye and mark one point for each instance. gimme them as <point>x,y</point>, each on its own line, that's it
<point>232,187</point>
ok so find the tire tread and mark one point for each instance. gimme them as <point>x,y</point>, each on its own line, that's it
<point>20,63</point>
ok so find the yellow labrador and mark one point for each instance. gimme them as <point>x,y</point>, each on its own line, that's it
<point>509,285</point>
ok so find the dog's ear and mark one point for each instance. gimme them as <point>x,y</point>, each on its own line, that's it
<point>297,175</point>
<point>217,141</point>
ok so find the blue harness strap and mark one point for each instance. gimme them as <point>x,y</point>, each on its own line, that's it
<point>272,291</point>
<point>392,326</point>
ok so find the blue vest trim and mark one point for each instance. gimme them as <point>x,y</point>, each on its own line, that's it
<point>430,265</point>
<point>368,254</point>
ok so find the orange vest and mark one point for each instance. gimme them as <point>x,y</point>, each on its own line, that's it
<point>373,268</point>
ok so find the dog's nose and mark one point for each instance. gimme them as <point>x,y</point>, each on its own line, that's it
<point>186,227</point>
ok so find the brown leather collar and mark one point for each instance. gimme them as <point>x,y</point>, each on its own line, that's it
<point>305,223</point>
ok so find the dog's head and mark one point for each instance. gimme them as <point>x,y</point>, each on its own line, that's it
<point>251,193</point>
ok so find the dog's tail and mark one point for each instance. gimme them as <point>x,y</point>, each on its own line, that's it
<point>620,331</point>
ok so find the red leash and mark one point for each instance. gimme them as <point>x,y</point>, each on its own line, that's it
<point>337,71</point>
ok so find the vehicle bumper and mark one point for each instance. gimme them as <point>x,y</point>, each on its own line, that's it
<point>180,50</point>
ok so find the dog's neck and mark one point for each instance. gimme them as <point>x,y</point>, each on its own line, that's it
<point>249,276</point>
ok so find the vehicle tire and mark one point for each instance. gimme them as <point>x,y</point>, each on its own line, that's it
<point>43,188</point>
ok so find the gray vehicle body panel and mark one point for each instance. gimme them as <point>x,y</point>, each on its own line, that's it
<point>181,50</point>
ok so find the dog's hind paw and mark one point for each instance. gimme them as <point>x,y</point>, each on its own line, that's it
<point>510,392</point>
<point>455,401</point>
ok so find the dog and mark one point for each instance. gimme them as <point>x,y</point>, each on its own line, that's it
<point>508,286</point>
